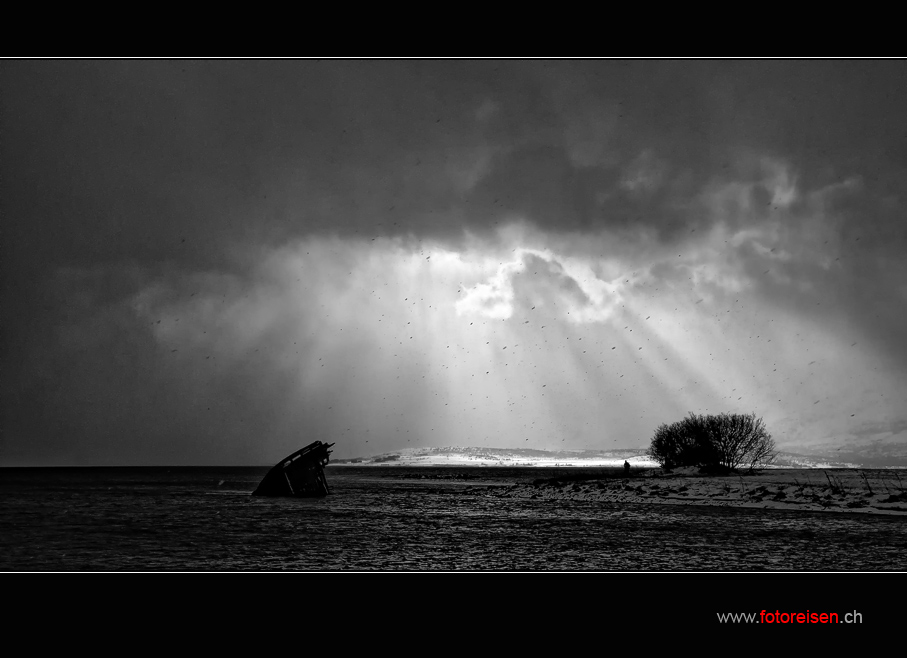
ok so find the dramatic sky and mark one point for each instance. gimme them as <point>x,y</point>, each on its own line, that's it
<point>218,262</point>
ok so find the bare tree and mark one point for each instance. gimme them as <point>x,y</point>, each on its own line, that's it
<point>726,441</point>
<point>740,440</point>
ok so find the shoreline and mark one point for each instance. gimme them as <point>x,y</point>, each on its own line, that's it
<point>881,491</point>
<point>846,491</point>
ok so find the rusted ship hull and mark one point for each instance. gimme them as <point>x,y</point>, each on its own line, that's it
<point>300,474</point>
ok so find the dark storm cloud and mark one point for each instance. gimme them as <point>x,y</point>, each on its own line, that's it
<point>121,177</point>
<point>114,160</point>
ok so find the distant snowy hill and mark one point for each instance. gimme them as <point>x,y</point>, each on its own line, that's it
<point>850,457</point>
<point>504,457</point>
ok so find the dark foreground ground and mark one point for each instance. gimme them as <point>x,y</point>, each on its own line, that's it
<point>475,519</point>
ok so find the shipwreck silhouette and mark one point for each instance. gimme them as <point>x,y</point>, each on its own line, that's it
<point>300,474</point>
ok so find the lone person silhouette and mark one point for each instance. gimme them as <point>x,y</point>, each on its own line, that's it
<point>626,468</point>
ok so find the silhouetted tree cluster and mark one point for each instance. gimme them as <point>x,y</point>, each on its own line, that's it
<point>726,441</point>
